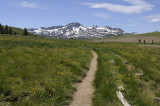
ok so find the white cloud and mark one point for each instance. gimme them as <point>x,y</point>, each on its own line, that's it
<point>137,6</point>
<point>102,15</point>
<point>28,5</point>
<point>153,18</point>
<point>31,5</point>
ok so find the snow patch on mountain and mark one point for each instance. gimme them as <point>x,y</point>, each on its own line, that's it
<point>77,31</point>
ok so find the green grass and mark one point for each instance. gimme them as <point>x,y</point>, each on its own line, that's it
<point>42,71</point>
<point>137,90</point>
<point>36,71</point>
<point>105,81</point>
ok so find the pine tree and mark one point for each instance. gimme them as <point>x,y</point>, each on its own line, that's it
<point>2,30</point>
<point>6,31</point>
<point>10,30</point>
<point>25,32</point>
<point>15,33</point>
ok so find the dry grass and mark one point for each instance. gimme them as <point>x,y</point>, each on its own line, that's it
<point>132,38</point>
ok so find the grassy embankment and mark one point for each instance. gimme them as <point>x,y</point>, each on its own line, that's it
<point>135,68</point>
<point>36,71</point>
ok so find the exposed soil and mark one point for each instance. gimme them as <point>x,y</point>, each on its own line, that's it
<point>85,89</point>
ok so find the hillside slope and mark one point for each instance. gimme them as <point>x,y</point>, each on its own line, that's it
<point>18,31</point>
<point>148,37</point>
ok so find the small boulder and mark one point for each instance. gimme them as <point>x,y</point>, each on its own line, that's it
<point>142,84</point>
<point>112,61</point>
<point>156,99</point>
<point>126,62</point>
<point>121,88</point>
<point>138,74</point>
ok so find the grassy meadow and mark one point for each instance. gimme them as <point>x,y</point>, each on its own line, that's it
<point>42,71</point>
<point>135,68</point>
<point>36,71</point>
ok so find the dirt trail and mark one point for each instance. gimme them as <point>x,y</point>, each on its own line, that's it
<point>83,95</point>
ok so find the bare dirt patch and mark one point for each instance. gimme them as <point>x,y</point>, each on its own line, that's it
<point>85,89</point>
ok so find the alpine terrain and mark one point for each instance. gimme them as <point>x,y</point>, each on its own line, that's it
<point>77,31</point>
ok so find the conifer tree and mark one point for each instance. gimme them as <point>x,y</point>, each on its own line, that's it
<point>6,31</point>
<point>2,30</point>
<point>25,32</point>
<point>10,30</point>
<point>15,33</point>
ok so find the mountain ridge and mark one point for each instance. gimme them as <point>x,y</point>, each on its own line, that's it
<point>77,31</point>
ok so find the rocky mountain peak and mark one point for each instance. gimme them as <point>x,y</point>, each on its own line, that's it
<point>74,24</point>
<point>77,31</point>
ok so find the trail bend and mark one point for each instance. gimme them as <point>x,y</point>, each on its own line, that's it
<point>85,89</point>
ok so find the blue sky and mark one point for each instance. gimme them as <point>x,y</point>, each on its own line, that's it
<point>130,15</point>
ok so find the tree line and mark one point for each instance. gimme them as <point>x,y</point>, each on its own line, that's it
<point>8,30</point>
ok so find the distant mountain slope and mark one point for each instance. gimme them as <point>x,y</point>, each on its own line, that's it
<point>148,37</point>
<point>18,31</point>
<point>150,34</point>
<point>77,31</point>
